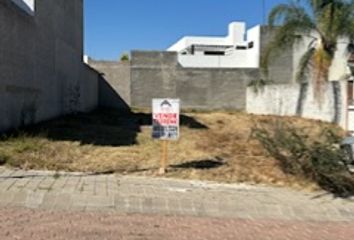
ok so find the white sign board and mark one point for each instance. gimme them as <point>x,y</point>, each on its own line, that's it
<point>165,119</point>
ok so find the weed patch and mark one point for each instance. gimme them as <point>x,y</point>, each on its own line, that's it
<point>213,146</point>
<point>317,157</point>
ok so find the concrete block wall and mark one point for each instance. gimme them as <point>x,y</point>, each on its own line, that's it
<point>158,75</point>
<point>281,68</point>
<point>42,74</point>
<point>153,75</point>
<point>89,85</point>
<point>114,83</point>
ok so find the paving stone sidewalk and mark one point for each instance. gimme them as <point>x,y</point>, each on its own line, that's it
<point>143,195</point>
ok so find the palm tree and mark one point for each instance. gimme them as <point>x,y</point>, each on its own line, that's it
<point>325,22</point>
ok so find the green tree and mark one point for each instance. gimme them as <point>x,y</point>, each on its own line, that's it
<point>124,57</point>
<point>325,22</point>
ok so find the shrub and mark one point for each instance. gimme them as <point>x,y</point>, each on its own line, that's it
<point>124,57</point>
<point>317,158</point>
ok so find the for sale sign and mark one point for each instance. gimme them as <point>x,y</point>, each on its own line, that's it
<point>165,119</point>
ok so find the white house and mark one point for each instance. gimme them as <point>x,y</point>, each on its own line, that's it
<point>239,49</point>
<point>27,5</point>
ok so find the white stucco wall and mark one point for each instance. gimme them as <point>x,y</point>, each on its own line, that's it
<point>254,54</point>
<point>236,33</point>
<point>339,68</point>
<point>273,99</point>
<point>281,99</point>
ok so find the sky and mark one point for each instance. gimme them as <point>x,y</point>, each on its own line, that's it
<point>114,27</point>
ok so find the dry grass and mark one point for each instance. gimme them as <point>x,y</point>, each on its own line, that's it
<point>213,146</point>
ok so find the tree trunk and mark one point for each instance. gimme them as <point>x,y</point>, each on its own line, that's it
<point>301,99</point>
<point>337,101</point>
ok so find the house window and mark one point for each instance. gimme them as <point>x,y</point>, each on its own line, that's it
<point>219,53</point>
<point>241,47</point>
<point>250,45</point>
<point>26,5</point>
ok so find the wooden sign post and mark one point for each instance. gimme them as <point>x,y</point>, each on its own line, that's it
<point>163,157</point>
<point>165,121</point>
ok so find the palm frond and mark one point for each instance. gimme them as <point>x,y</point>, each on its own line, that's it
<point>330,17</point>
<point>305,65</point>
<point>322,61</point>
<point>284,37</point>
<point>278,14</point>
<point>294,23</point>
<point>329,21</point>
<point>291,12</point>
<point>344,22</point>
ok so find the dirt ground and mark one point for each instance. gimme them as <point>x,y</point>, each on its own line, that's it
<point>213,146</point>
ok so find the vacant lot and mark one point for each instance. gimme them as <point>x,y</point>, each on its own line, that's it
<point>213,146</point>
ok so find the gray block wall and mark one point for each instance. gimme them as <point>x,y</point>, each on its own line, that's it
<point>281,64</point>
<point>158,75</point>
<point>42,74</point>
<point>114,83</point>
